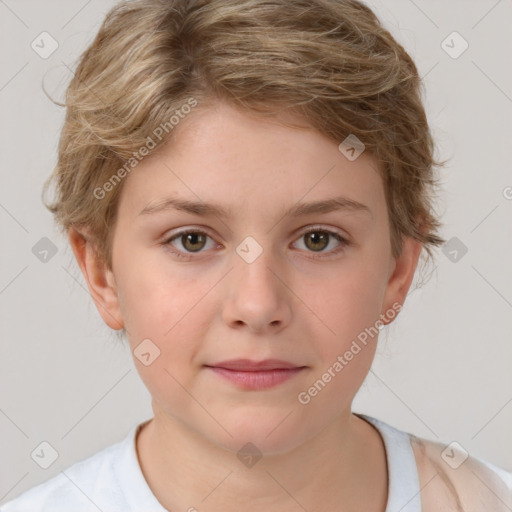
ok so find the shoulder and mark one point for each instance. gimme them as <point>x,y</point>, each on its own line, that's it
<point>453,480</point>
<point>431,476</point>
<point>74,488</point>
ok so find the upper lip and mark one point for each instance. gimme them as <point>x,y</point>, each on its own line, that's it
<point>248,365</point>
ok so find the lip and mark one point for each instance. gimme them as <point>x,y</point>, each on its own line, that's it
<point>248,365</point>
<point>248,374</point>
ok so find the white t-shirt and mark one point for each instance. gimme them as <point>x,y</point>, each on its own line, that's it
<point>112,481</point>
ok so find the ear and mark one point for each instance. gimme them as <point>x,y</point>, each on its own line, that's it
<point>401,276</point>
<point>100,280</point>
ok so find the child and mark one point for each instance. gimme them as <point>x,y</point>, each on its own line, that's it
<point>287,139</point>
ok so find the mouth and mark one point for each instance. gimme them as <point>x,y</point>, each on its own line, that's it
<point>255,375</point>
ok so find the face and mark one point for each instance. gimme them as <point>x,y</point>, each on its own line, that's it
<point>266,278</point>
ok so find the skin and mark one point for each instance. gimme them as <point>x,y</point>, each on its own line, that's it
<point>293,303</point>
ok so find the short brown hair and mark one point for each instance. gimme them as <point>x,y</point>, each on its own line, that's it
<point>329,61</point>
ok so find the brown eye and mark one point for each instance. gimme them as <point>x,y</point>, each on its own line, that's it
<point>186,243</point>
<point>324,242</point>
<point>317,240</point>
<point>193,241</point>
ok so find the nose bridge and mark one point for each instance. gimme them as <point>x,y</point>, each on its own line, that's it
<point>253,266</point>
<point>256,297</point>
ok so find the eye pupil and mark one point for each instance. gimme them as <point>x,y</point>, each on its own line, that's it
<point>192,238</point>
<point>317,237</point>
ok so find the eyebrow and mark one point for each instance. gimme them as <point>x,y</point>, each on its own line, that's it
<point>298,210</point>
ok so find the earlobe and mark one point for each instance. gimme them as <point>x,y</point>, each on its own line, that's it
<point>401,277</point>
<point>100,280</point>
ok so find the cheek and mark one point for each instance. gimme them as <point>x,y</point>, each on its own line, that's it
<point>351,308</point>
<point>167,319</point>
<point>351,302</point>
<point>153,300</point>
<point>171,310</point>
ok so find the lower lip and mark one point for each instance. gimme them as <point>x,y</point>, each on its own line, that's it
<point>256,379</point>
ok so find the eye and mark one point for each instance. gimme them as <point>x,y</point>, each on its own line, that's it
<point>318,239</point>
<point>191,241</point>
<point>188,242</point>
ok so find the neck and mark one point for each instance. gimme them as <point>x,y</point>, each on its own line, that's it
<point>342,467</point>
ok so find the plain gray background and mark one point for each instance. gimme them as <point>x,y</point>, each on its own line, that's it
<point>443,369</point>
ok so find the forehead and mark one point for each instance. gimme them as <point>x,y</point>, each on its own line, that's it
<point>241,161</point>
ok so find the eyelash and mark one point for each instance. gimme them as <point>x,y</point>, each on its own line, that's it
<point>343,242</point>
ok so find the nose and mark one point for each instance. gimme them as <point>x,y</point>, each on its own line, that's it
<point>257,297</point>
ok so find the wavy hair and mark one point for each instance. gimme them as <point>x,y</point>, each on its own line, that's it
<point>330,62</point>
